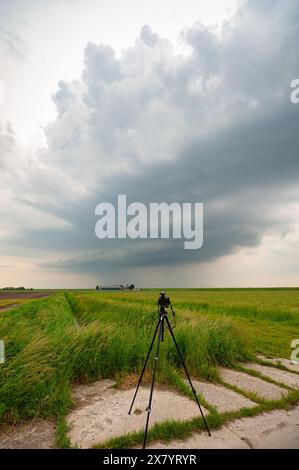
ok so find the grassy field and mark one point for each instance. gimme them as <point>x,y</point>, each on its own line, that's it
<point>80,336</point>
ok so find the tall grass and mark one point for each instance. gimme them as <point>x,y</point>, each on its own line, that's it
<point>44,353</point>
<point>269,317</point>
<point>51,343</point>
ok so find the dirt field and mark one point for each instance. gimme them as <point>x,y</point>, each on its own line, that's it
<point>26,294</point>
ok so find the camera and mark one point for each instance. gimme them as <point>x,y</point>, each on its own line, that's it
<point>163,302</point>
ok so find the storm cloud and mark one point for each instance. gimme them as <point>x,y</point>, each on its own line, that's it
<point>215,125</point>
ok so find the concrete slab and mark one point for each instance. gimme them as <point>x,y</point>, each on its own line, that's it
<point>222,398</point>
<point>102,412</point>
<point>287,378</point>
<point>282,361</point>
<point>36,434</point>
<point>249,383</point>
<point>276,430</point>
<point>220,439</point>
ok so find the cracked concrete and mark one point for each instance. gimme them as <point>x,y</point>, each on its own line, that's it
<point>102,411</point>
<point>282,361</point>
<point>36,434</point>
<point>278,429</point>
<point>287,378</point>
<point>256,385</point>
<point>221,397</point>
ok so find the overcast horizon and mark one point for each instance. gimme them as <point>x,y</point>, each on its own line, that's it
<point>161,101</point>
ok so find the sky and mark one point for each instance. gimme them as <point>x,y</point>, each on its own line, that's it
<point>161,101</point>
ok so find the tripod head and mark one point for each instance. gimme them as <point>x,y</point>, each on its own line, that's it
<point>163,304</point>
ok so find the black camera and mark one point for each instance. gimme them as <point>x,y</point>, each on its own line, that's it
<point>163,301</point>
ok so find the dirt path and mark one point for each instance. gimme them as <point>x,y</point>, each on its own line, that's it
<point>7,307</point>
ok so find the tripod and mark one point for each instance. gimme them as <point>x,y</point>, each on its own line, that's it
<point>160,331</point>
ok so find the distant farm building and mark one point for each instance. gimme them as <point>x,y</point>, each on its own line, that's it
<point>116,287</point>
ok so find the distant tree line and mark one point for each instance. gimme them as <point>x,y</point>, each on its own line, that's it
<point>16,288</point>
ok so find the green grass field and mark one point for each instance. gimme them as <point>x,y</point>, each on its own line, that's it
<point>80,336</point>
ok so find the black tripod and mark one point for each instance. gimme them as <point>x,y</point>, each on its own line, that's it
<point>160,330</point>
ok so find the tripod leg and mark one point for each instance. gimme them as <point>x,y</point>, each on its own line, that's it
<point>188,376</point>
<point>153,380</point>
<point>146,361</point>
